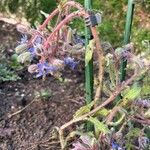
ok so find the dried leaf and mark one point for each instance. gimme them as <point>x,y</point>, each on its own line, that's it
<point>89,52</point>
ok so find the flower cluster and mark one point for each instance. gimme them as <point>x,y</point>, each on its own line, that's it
<point>32,49</point>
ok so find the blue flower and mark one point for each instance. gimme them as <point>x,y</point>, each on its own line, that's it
<point>32,50</point>
<point>24,39</point>
<point>70,62</point>
<point>45,68</point>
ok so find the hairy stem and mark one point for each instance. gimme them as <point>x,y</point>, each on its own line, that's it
<point>101,61</point>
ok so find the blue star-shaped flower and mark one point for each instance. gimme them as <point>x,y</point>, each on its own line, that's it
<point>45,68</point>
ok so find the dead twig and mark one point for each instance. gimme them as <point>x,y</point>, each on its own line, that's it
<point>21,110</point>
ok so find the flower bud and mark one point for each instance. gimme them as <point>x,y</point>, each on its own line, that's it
<point>32,68</point>
<point>21,48</point>
<point>58,63</point>
<point>24,57</point>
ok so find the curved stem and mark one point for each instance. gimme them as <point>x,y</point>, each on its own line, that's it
<point>101,61</point>
<point>62,23</point>
<point>56,11</point>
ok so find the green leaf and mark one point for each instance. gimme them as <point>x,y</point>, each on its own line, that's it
<point>132,93</point>
<point>102,112</point>
<point>99,126</point>
<point>45,94</point>
<point>83,110</point>
<point>119,121</point>
<point>89,52</point>
<point>134,132</point>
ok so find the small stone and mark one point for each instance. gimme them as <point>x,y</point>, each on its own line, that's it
<point>12,107</point>
<point>16,89</point>
<point>22,95</point>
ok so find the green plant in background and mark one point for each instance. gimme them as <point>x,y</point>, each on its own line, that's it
<point>6,74</point>
<point>8,67</point>
<point>14,64</point>
<point>29,9</point>
<point>43,94</point>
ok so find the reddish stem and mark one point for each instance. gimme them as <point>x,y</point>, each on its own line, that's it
<point>62,23</point>
<point>56,11</point>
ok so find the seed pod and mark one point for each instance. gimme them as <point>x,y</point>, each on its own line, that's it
<point>24,57</point>
<point>32,68</point>
<point>23,29</point>
<point>21,48</point>
<point>69,36</point>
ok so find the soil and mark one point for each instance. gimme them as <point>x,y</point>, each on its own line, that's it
<point>27,130</point>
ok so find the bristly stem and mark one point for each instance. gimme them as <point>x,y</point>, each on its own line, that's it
<point>101,64</point>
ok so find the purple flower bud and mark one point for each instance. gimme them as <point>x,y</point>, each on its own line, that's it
<point>70,62</point>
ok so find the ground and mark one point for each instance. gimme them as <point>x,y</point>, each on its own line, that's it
<point>26,130</point>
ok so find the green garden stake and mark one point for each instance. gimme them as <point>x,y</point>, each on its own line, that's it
<point>127,36</point>
<point>89,67</point>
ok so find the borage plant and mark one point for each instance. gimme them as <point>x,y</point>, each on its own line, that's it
<point>115,122</point>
